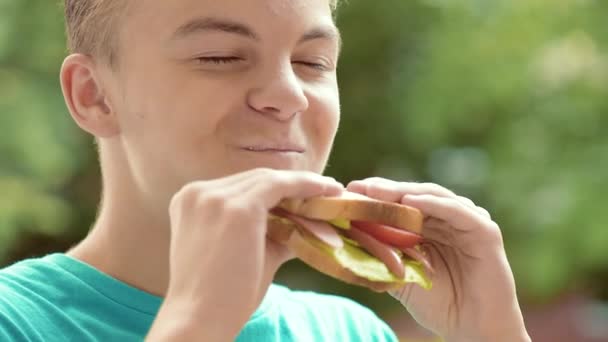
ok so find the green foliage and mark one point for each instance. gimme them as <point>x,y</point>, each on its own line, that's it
<point>523,84</point>
<point>40,148</point>
<point>502,101</point>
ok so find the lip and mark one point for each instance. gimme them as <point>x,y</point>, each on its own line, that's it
<point>276,148</point>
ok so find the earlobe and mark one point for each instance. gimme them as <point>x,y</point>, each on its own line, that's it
<point>85,97</point>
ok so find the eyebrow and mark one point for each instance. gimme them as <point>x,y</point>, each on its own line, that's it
<point>199,25</point>
<point>210,24</point>
<point>328,32</point>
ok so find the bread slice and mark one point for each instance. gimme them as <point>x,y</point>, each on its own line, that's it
<point>353,206</point>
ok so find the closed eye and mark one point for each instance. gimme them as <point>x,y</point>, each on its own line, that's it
<point>218,59</point>
<point>316,66</point>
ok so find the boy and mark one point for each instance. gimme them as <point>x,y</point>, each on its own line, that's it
<point>208,113</point>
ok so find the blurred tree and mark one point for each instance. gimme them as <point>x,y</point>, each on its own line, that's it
<point>40,148</point>
<point>511,104</point>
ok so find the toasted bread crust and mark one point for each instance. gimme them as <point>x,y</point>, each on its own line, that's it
<point>354,206</point>
<point>292,235</point>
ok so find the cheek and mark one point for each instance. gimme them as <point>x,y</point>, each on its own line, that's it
<point>170,124</point>
<point>174,108</point>
<point>325,122</point>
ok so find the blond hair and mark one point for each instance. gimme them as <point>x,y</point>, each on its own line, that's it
<point>91,24</point>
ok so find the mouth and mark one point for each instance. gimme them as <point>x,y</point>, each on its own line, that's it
<point>284,148</point>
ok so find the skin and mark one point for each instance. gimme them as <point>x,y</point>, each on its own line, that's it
<point>473,286</point>
<point>194,83</point>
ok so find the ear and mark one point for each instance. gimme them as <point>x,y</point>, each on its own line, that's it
<point>85,97</point>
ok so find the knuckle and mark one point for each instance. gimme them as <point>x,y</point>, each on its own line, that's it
<point>468,201</point>
<point>261,172</point>
<point>237,208</point>
<point>436,188</point>
<point>326,177</point>
<point>216,205</point>
<point>465,199</point>
<point>312,175</point>
<point>481,210</point>
<point>308,177</point>
<point>281,179</point>
<point>452,203</point>
<point>210,201</point>
<point>186,196</point>
<point>484,212</point>
<point>379,189</point>
<point>458,206</point>
<point>494,226</point>
<point>494,232</point>
<point>375,180</point>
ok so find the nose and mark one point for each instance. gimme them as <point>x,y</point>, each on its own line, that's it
<point>277,92</point>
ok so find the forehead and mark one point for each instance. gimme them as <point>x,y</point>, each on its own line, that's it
<point>160,18</point>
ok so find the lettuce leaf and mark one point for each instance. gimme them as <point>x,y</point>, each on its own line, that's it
<point>367,266</point>
<point>414,273</point>
<point>340,223</point>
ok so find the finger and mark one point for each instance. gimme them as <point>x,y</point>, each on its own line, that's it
<point>255,176</point>
<point>378,188</point>
<point>404,187</point>
<point>262,190</point>
<point>472,205</point>
<point>452,211</point>
<point>414,188</point>
<point>388,190</point>
<point>357,186</point>
<point>224,182</point>
<point>270,188</point>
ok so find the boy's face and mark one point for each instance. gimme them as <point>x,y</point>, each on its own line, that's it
<point>202,82</point>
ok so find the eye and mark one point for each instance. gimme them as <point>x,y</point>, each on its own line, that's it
<point>218,59</point>
<point>315,66</point>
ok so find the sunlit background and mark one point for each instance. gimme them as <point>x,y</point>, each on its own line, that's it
<point>505,102</point>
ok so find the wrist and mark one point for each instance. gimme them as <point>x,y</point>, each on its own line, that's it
<point>175,322</point>
<point>506,327</point>
<point>513,333</point>
<point>520,336</point>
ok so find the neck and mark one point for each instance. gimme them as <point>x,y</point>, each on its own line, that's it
<point>128,244</point>
<point>129,240</point>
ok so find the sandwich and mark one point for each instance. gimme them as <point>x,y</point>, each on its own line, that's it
<point>355,239</point>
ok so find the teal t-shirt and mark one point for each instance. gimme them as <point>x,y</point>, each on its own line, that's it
<point>59,298</point>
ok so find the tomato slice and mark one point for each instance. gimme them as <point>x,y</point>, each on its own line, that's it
<point>389,235</point>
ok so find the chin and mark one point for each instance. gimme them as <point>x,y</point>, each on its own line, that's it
<point>272,162</point>
<point>236,164</point>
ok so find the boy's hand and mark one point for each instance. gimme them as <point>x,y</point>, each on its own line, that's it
<point>221,262</point>
<point>473,296</point>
